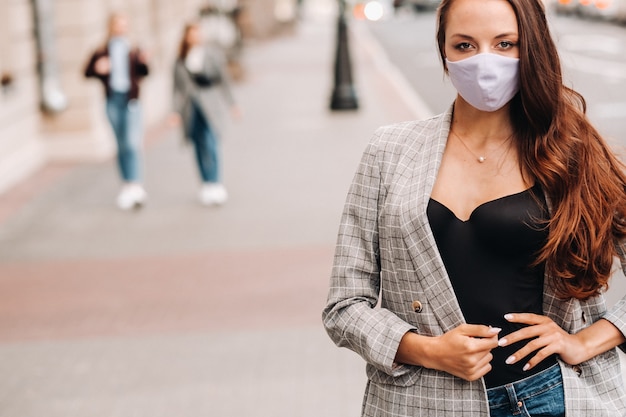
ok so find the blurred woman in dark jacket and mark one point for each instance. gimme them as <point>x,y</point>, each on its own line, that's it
<point>120,67</point>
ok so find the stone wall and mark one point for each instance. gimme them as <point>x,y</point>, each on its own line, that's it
<point>20,150</point>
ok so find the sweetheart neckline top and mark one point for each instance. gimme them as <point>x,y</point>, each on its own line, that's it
<point>489,259</point>
<point>486,203</point>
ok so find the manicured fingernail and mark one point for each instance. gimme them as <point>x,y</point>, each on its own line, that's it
<point>495,330</point>
<point>502,342</point>
<point>508,316</point>
<point>510,360</point>
<point>526,367</point>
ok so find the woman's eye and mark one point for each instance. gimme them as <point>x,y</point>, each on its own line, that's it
<point>506,45</point>
<point>463,46</point>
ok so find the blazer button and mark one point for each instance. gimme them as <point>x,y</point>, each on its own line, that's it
<point>417,306</point>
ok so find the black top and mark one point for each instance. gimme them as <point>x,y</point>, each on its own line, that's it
<point>488,259</point>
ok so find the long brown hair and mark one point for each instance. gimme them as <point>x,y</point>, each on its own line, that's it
<point>583,180</point>
<point>184,46</point>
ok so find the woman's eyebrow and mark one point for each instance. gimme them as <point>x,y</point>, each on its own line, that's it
<point>502,35</point>
<point>461,35</point>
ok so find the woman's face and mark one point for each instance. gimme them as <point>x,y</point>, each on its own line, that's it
<point>193,36</point>
<point>481,26</point>
<point>118,25</point>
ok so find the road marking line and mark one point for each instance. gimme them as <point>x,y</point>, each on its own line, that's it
<point>387,69</point>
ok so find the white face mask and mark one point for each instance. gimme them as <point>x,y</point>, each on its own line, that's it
<point>486,81</point>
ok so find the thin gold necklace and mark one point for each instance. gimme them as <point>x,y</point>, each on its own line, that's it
<point>480,158</point>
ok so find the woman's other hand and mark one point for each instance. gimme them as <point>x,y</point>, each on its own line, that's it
<point>174,120</point>
<point>236,113</point>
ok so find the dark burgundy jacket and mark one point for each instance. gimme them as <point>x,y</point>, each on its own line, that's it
<point>138,70</point>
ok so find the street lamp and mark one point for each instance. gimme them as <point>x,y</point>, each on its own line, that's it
<point>344,95</point>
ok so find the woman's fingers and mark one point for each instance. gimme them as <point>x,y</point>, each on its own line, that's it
<point>544,336</point>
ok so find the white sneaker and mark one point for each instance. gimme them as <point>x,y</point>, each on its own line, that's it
<point>132,196</point>
<point>213,194</point>
<point>140,196</point>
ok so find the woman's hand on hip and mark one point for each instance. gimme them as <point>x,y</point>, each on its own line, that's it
<point>102,66</point>
<point>548,338</point>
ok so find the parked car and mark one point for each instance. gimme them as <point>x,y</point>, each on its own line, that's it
<point>577,7</point>
<point>565,6</point>
<point>418,5</point>
<point>620,12</point>
<point>613,10</point>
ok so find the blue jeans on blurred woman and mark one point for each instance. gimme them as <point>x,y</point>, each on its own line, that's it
<point>206,147</point>
<point>125,119</point>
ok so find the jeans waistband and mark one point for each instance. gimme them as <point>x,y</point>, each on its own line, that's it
<point>527,387</point>
<point>118,95</point>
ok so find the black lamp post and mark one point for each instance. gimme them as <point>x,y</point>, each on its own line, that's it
<point>344,95</point>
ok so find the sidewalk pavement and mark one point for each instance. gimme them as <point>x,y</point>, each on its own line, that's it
<point>183,310</point>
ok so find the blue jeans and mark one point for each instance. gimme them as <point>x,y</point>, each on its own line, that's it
<point>125,119</point>
<point>537,395</point>
<point>206,147</point>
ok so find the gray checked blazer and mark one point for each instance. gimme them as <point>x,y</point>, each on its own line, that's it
<point>388,278</point>
<point>212,101</point>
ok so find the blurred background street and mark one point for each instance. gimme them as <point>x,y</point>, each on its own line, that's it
<point>183,310</point>
<point>179,309</point>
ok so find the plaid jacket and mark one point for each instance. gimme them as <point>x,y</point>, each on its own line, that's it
<point>211,101</point>
<point>388,278</point>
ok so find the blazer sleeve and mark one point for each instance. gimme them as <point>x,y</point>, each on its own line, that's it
<point>351,316</point>
<point>617,314</point>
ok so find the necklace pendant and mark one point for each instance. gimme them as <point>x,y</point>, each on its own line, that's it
<point>481,159</point>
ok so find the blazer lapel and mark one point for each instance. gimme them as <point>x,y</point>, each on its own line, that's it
<point>422,164</point>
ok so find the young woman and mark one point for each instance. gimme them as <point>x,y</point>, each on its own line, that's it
<point>475,246</point>
<point>201,88</point>
<point>120,67</point>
